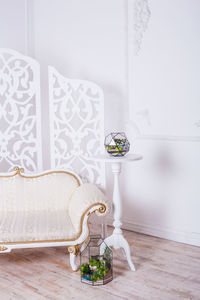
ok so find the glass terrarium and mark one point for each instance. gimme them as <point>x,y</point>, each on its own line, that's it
<point>96,262</point>
<point>117,144</point>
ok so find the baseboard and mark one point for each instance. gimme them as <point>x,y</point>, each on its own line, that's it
<point>190,238</point>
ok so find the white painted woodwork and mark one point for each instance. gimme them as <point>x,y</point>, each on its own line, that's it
<point>76,125</point>
<point>20,112</point>
<point>117,239</point>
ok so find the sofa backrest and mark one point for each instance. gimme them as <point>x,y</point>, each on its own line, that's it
<point>47,191</point>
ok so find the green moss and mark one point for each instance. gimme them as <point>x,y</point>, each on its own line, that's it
<point>101,269</point>
<point>85,269</point>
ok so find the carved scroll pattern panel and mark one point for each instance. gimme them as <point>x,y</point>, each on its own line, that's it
<point>20,129</point>
<point>76,126</point>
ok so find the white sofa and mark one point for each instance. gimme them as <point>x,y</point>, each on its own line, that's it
<point>47,209</point>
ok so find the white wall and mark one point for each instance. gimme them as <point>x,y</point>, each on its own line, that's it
<point>163,192</point>
<point>12,24</point>
<point>88,40</point>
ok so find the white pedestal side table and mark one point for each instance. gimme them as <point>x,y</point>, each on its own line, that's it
<point>116,239</point>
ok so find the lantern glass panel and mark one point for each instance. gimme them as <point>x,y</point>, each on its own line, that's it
<point>96,262</point>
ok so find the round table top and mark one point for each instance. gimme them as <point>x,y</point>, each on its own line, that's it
<point>108,158</point>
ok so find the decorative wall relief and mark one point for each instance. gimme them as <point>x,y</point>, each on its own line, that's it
<point>138,13</point>
<point>20,128</point>
<point>163,85</point>
<point>76,125</point>
<point>141,16</point>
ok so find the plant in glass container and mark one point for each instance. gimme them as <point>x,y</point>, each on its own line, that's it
<point>117,144</point>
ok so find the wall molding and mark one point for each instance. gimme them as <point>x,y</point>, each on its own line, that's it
<point>138,15</point>
<point>169,138</point>
<point>186,237</point>
<point>29,29</point>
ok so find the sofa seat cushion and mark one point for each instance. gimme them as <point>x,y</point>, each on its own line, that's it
<point>21,226</point>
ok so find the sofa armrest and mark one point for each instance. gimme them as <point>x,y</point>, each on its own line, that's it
<point>86,197</point>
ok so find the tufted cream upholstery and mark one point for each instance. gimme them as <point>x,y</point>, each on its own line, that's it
<point>44,208</point>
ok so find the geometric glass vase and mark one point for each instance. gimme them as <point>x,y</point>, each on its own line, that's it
<point>117,144</point>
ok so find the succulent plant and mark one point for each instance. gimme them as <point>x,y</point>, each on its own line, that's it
<point>117,144</point>
<point>101,268</point>
<point>85,269</point>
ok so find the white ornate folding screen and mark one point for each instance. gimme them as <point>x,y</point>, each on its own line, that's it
<point>76,119</point>
<point>76,125</point>
<point>20,124</point>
